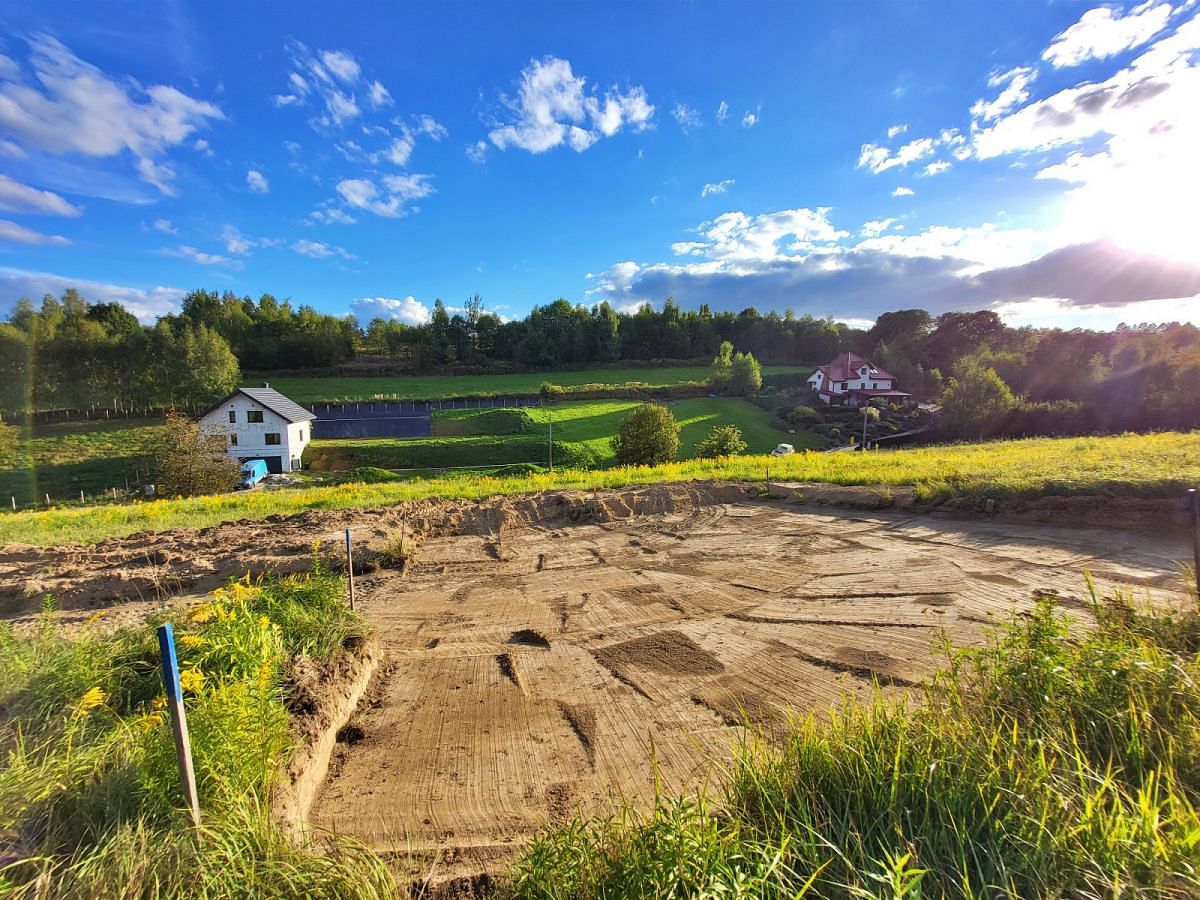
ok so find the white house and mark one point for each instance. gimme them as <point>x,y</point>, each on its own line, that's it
<point>852,380</point>
<point>261,423</point>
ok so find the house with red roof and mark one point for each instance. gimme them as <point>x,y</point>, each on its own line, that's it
<point>853,380</point>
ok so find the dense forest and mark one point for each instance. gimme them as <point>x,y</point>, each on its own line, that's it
<point>1001,380</point>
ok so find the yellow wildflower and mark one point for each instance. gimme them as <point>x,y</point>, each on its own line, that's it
<point>92,698</point>
<point>160,703</point>
<point>201,614</point>
<point>191,680</point>
<point>192,641</point>
<point>150,721</point>
<point>95,617</point>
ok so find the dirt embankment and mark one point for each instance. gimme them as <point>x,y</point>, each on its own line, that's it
<point>147,569</point>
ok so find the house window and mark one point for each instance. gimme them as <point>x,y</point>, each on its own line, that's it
<point>233,415</point>
<point>233,440</point>
<point>273,439</point>
<point>254,415</point>
<point>302,435</point>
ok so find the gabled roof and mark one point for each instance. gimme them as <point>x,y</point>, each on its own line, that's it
<point>271,399</point>
<point>845,368</point>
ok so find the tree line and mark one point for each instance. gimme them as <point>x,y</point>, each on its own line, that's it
<point>68,352</point>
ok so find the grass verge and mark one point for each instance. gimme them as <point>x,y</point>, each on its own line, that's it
<point>89,790</point>
<point>1130,465</point>
<point>1043,765</point>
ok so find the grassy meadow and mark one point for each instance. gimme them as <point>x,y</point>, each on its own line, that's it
<point>64,458</point>
<point>443,387</point>
<point>1130,465</point>
<point>582,432</point>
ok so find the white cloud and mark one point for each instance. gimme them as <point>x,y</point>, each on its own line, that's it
<point>202,147</point>
<point>378,95</point>
<point>935,168</point>
<point>145,304</point>
<point>236,242</point>
<point>876,227</point>
<point>722,112</point>
<point>880,159</point>
<point>329,214</point>
<point>734,239</point>
<point>320,250</point>
<point>330,76</point>
<point>431,127</point>
<point>341,64</point>
<point>408,187</point>
<point>399,151</point>
<point>896,130</point>
<point>477,152</point>
<point>410,310</point>
<point>1016,91</point>
<point>74,108</point>
<point>362,193</point>
<point>257,182</point>
<point>11,231</point>
<point>164,226</point>
<point>17,197</point>
<point>1103,32</point>
<point>553,107</point>
<point>197,256</point>
<point>719,187</point>
<point>750,119</point>
<point>688,117</point>
<point>903,191</point>
<point>972,249</point>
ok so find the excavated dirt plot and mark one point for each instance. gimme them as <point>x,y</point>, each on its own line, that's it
<point>542,653</point>
<point>539,671</point>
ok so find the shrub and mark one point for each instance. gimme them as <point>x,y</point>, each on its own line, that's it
<point>835,432</point>
<point>190,461</point>
<point>648,436</point>
<point>550,391</point>
<point>722,440</point>
<point>802,415</point>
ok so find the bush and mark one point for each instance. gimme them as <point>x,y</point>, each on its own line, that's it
<point>190,461</point>
<point>802,415</point>
<point>722,440</point>
<point>550,391</point>
<point>648,436</point>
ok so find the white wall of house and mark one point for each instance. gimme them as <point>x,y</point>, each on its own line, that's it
<point>273,436</point>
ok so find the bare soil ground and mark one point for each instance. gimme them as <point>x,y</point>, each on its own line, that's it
<point>549,654</point>
<point>540,671</point>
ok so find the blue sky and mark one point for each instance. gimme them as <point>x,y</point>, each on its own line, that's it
<point>839,159</point>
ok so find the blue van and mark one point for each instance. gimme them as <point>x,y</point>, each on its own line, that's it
<point>253,471</point>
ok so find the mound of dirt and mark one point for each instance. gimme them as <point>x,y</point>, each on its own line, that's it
<point>666,652</point>
<point>148,568</point>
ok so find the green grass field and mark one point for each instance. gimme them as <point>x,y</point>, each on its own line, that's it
<point>64,458</point>
<point>440,387</point>
<point>582,432</point>
<point>1156,465</point>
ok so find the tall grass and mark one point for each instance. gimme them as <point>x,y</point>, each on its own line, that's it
<point>1128,465</point>
<point>1045,764</point>
<point>89,790</point>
